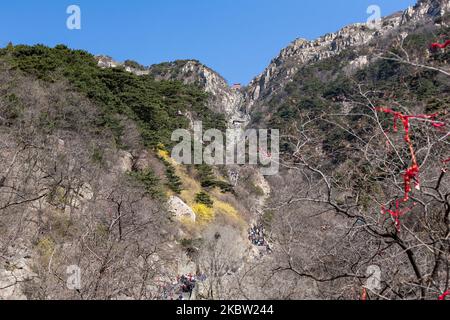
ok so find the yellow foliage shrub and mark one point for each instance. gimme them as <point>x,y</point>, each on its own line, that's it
<point>164,154</point>
<point>204,213</point>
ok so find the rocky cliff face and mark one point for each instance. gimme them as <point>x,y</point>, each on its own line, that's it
<point>426,9</point>
<point>108,62</point>
<point>301,51</point>
<point>236,103</point>
<point>223,98</point>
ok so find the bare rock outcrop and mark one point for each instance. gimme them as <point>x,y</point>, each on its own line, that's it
<point>180,209</point>
<point>301,51</point>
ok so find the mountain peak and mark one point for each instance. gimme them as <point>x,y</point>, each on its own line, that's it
<point>302,51</point>
<point>426,9</point>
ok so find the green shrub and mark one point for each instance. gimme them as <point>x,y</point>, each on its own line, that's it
<point>174,182</point>
<point>208,180</point>
<point>153,104</point>
<point>205,199</point>
<point>133,64</point>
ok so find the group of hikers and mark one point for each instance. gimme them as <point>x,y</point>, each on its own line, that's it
<point>187,283</point>
<point>257,237</point>
<point>234,177</point>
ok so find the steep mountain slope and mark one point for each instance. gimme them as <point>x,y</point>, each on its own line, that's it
<point>86,179</point>
<point>345,201</point>
<point>282,69</point>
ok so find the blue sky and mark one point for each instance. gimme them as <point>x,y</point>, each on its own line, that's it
<point>237,38</point>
